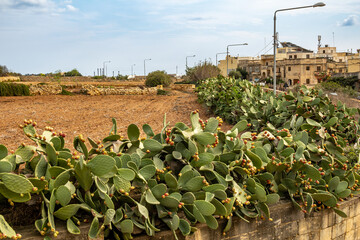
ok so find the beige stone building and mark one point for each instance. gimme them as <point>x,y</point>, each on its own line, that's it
<point>295,64</point>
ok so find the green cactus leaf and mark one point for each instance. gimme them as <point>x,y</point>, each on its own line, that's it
<point>321,197</point>
<point>344,193</point>
<point>204,159</point>
<point>16,183</point>
<point>62,179</point>
<point>126,226</point>
<point>84,177</point>
<point>188,198</point>
<point>209,196</point>
<point>272,198</point>
<point>67,211</point>
<point>313,122</point>
<point>150,198</point>
<point>5,228</point>
<point>312,172</point>
<point>55,171</point>
<point>152,145</point>
<point>205,208</point>
<point>159,190</point>
<point>185,177</point>
<point>211,125</point>
<point>342,186</point>
<point>214,187</point>
<point>148,130</point>
<point>29,129</point>
<point>5,166</point>
<point>220,208</point>
<point>94,228</point>
<point>240,126</point>
<point>52,201</point>
<point>211,222</point>
<point>177,155</point>
<point>133,133</point>
<point>204,138</point>
<point>197,214</point>
<point>147,172</point>
<point>102,165</point>
<point>71,227</point>
<point>287,152</point>
<point>63,194</point>
<point>143,210</point>
<point>340,213</point>
<point>25,152</point>
<point>184,227</point>
<point>309,203</point>
<point>57,143</point>
<point>261,153</point>
<point>194,184</point>
<point>127,174</point>
<point>331,122</point>
<point>109,216</point>
<point>108,202</point>
<point>51,154</point>
<point>3,152</point>
<point>260,193</point>
<point>255,159</point>
<point>171,180</point>
<point>121,183</point>
<point>194,118</point>
<point>101,186</point>
<point>169,202</point>
<point>15,197</point>
<point>331,202</point>
<point>118,216</point>
<point>299,153</point>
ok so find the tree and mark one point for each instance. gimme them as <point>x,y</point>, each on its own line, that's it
<point>73,73</point>
<point>158,78</point>
<point>3,71</point>
<point>202,71</point>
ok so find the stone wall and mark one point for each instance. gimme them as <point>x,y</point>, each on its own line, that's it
<point>183,87</point>
<point>45,89</point>
<point>94,91</point>
<point>9,79</point>
<point>288,223</point>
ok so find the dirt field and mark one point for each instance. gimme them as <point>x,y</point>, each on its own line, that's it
<point>91,115</point>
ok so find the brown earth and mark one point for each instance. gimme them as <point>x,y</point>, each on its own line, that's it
<point>91,115</point>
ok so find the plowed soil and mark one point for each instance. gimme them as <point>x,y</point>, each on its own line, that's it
<point>91,115</point>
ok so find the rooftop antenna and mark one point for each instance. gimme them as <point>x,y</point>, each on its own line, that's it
<point>319,41</point>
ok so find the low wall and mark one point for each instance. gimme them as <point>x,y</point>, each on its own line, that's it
<point>288,223</point>
<point>9,79</point>
<point>95,91</point>
<point>183,87</point>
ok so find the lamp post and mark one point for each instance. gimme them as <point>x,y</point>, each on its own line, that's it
<point>132,69</point>
<point>319,4</point>
<point>217,57</point>
<point>104,63</point>
<point>227,55</point>
<point>187,58</point>
<point>144,66</point>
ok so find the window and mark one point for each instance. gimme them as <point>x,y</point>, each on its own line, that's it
<point>318,68</point>
<point>340,70</point>
<point>290,56</point>
<point>340,60</point>
<point>323,51</point>
<point>307,81</point>
<point>289,69</point>
<point>307,55</point>
<point>295,56</point>
<point>307,68</point>
<point>266,63</point>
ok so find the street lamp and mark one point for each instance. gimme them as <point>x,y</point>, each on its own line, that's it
<point>132,69</point>
<point>217,57</point>
<point>319,4</point>
<point>144,66</point>
<point>227,55</point>
<point>187,58</point>
<point>104,67</point>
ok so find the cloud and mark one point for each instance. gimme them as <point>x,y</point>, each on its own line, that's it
<point>349,21</point>
<point>71,8</point>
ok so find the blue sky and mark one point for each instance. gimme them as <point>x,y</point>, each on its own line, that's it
<point>41,36</point>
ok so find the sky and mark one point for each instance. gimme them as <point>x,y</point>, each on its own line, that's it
<point>43,36</point>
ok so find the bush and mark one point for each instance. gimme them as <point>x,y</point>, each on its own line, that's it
<point>73,73</point>
<point>235,74</point>
<point>12,89</point>
<point>64,91</point>
<point>332,86</point>
<point>202,71</point>
<point>158,78</point>
<point>162,92</point>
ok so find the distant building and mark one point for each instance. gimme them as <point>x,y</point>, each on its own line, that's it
<point>295,64</point>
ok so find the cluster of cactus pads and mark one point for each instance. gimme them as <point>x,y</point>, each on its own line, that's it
<point>188,174</point>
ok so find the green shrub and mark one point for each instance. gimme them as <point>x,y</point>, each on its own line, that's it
<point>158,78</point>
<point>162,92</point>
<point>235,74</point>
<point>12,89</point>
<point>73,73</point>
<point>64,91</point>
